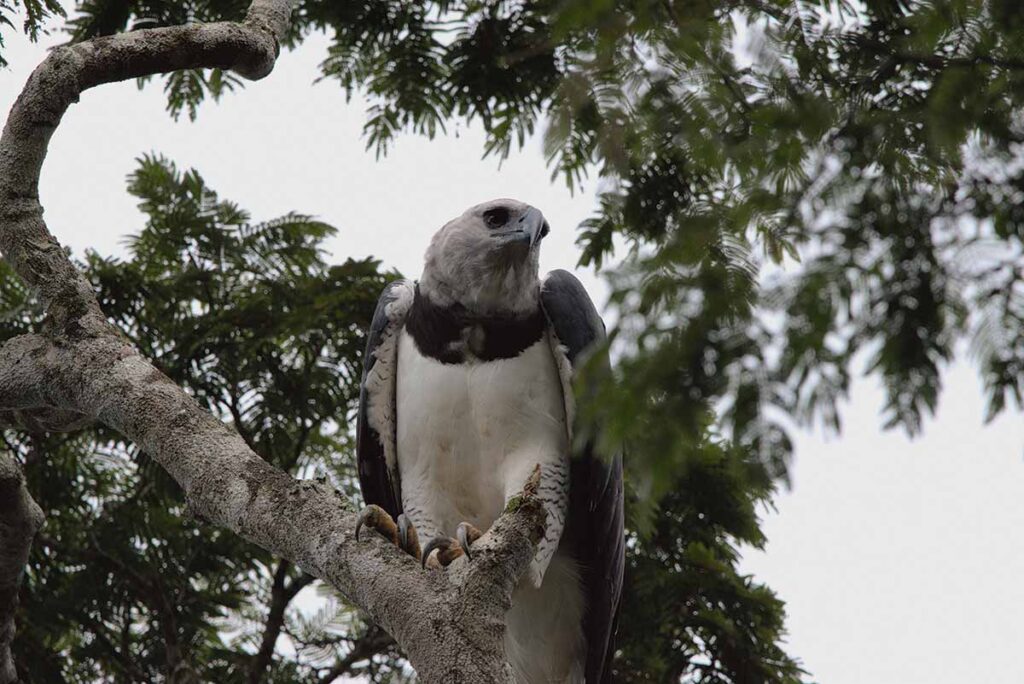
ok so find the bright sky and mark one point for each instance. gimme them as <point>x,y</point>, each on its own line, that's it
<point>901,561</point>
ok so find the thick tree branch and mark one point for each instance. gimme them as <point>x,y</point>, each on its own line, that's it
<point>20,519</point>
<point>21,400</point>
<point>449,623</point>
<point>459,612</point>
<point>249,48</point>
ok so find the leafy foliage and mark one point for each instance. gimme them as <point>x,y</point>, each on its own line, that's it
<point>252,321</point>
<point>36,13</point>
<point>124,586</point>
<point>689,615</point>
<point>876,141</point>
<point>799,186</point>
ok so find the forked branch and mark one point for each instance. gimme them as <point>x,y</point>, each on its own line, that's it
<point>450,624</point>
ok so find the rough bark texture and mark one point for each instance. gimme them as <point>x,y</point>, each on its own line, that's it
<point>449,623</point>
<point>20,519</point>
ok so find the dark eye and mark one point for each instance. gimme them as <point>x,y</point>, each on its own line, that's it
<point>545,229</point>
<point>496,218</point>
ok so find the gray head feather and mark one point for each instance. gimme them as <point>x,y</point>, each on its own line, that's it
<point>487,259</point>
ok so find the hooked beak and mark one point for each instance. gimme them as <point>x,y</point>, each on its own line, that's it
<point>527,231</point>
<point>533,225</point>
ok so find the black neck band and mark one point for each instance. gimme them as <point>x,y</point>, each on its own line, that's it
<point>453,334</point>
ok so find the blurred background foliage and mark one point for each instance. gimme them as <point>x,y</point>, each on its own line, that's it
<point>124,586</point>
<point>788,190</point>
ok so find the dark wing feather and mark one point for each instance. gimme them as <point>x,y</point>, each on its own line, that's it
<point>379,482</point>
<point>595,522</point>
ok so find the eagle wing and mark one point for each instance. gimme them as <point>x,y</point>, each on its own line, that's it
<point>376,443</point>
<point>595,521</point>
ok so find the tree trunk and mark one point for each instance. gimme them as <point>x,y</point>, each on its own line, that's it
<point>449,623</point>
<point>20,519</point>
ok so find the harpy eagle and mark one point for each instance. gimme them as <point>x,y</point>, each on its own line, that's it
<point>466,389</point>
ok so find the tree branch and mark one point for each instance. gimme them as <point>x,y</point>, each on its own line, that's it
<point>20,519</point>
<point>449,623</point>
<point>281,594</point>
<point>249,48</point>
<point>363,648</point>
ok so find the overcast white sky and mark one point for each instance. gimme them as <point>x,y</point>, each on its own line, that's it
<point>901,562</point>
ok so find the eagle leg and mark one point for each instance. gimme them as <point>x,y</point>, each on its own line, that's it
<point>449,549</point>
<point>403,534</point>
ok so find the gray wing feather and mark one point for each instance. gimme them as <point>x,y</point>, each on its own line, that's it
<point>375,430</point>
<point>595,520</point>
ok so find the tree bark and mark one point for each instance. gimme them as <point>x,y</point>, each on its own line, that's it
<point>449,623</point>
<point>20,519</point>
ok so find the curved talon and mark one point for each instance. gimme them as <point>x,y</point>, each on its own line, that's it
<point>406,536</point>
<point>462,534</point>
<point>403,530</point>
<point>433,545</point>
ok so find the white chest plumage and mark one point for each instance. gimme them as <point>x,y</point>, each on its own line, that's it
<point>468,436</point>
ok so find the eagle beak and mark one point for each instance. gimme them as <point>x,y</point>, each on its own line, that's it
<point>523,235</point>
<point>533,225</point>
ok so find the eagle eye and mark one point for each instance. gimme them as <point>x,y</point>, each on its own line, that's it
<point>496,218</point>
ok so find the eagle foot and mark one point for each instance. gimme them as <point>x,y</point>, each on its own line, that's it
<point>402,534</point>
<point>449,549</point>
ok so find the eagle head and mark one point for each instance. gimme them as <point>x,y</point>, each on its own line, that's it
<point>487,259</point>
